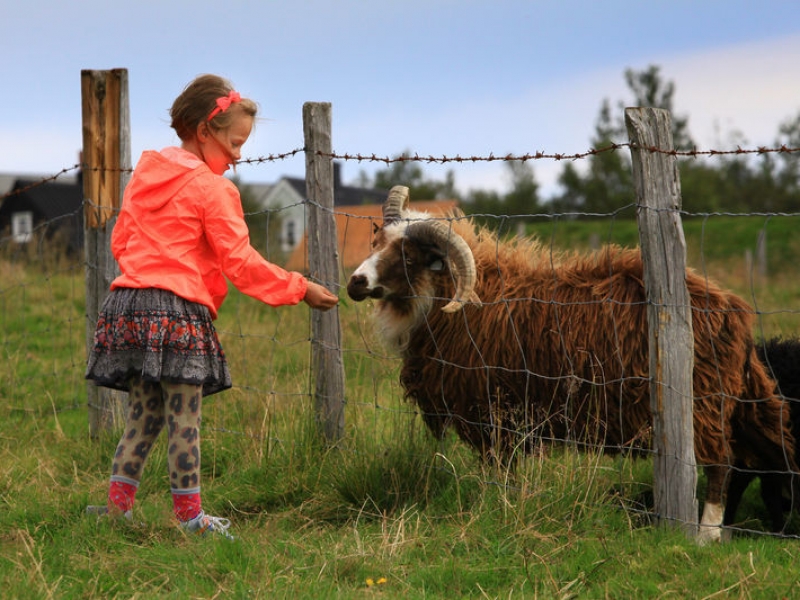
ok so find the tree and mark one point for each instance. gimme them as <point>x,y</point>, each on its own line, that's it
<point>522,201</point>
<point>774,183</point>
<point>744,182</point>
<point>607,184</point>
<point>264,224</point>
<point>483,206</point>
<point>788,173</point>
<point>405,170</point>
<point>650,91</point>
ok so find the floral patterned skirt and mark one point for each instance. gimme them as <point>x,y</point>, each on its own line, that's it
<point>159,336</point>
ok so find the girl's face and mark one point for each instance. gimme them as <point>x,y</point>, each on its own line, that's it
<point>220,149</point>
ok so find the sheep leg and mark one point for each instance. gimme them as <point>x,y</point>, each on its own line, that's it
<point>739,482</point>
<point>772,486</point>
<point>713,509</point>
<point>711,523</point>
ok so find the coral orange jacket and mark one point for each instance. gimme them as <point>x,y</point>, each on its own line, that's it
<point>181,228</point>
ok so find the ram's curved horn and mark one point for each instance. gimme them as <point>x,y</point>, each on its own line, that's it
<point>396,204</point>
<point>459,255</point>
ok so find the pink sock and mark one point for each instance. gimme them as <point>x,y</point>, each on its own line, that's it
<point>186,506</point>
<point>121,495</point>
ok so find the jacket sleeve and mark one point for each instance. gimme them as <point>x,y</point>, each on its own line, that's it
<point>229,238</point>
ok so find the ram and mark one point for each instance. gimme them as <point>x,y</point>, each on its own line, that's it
<point>513,345</point>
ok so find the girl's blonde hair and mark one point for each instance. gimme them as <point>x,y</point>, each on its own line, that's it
<point>199,99</point>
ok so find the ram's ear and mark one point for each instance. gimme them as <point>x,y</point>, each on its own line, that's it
<point>434,257</point>
<point>437,265</point>
<point>459,259</point>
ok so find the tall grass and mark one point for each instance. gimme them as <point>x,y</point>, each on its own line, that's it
<point>389,512</point>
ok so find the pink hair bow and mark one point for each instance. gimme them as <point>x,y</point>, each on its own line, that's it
<point>224,103</point>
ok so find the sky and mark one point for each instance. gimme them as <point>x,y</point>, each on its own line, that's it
<point>429,77</point>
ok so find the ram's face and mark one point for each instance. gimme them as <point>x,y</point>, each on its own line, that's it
<point>411,255</point>
<point>400,267</point>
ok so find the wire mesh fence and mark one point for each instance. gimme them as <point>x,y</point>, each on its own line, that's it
<point>43,313</point>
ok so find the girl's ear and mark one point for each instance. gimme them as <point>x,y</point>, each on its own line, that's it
<point>202,132</point>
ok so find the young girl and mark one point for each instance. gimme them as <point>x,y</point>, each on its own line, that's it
<point>179,234</point>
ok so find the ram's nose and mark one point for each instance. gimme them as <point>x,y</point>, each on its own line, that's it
<point>358,288</point>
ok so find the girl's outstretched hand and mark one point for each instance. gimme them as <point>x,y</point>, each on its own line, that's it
<point>318,296</point>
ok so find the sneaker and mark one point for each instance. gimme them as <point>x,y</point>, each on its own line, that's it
<point>102,511</point>
<point>204,524</point>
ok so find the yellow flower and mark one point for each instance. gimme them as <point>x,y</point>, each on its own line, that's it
<point>370,582</point>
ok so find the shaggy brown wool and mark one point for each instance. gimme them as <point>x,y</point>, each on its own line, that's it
<point>558,351</point>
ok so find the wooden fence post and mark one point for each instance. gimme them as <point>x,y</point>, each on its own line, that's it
<point>105,164</point>
<point>669,316</point>
<point>323,261</point>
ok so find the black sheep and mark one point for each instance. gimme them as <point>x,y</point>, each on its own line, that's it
<point>782,358</point>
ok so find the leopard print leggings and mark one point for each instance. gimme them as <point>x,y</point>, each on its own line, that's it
<point>150,406</point>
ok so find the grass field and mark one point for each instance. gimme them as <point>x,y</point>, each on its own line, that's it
<point>389,513</point>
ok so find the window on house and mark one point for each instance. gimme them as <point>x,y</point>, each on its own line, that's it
<point>22,226</point>
<point>291,234</point>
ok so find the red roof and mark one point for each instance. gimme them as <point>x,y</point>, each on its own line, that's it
<point>354,228</point>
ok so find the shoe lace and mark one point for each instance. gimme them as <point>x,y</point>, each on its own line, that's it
<point>220,524</point>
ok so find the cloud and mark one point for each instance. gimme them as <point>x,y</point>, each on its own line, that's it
<point>751,88</point>
<point>745,89</point>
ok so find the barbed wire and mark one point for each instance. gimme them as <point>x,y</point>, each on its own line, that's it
<point>694,153</point>
<point>444,159</point>
<point>85,168</point>
<point>39,182</point>
<point>271,157</point>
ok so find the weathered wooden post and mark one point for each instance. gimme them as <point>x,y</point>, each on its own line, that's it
<point>105,165</point>
<point>323,259</point>
<point>669,316</point>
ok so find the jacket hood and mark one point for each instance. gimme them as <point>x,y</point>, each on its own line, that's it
<point>161,174</point>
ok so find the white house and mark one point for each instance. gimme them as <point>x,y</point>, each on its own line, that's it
<point>288,196</point>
